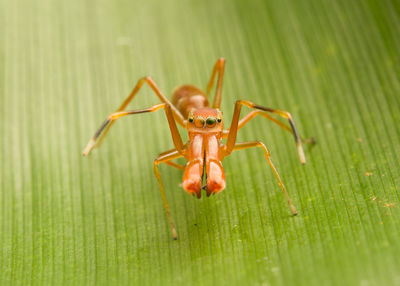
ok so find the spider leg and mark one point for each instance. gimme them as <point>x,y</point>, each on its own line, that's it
<point>175,165</point>
<point>166,157</point>
<point>172,164</point>
<point>160,95</point>
<point>246,119</point>
<point>116,115</point>
<point>218,68</point>
<point>235,125</point>
<point>245,145</point>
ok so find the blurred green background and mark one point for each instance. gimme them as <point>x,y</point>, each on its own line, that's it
<point>65,219</point>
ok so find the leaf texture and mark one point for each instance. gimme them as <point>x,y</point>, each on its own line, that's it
<point>65,219</point>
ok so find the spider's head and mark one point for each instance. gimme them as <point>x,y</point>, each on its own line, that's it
<point>205,120</point>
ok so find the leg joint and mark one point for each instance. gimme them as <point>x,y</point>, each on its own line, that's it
<point>245,102</point>
<point>262,145</point>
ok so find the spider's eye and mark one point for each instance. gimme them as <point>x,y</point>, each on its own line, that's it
<point>219,120</point>
<point>199,122</point>
<point>211,121</point>
<point>191,119</point>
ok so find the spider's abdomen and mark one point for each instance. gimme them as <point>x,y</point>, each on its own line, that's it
<point>188,97</point>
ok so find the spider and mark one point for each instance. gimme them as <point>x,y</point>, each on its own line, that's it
<point>204,151</point>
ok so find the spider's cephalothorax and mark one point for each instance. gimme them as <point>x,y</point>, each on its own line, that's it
<point>204,151</point>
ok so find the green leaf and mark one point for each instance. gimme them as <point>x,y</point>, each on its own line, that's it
<point>66,219</point>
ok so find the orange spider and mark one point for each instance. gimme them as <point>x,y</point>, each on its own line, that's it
<point>204,151</point>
